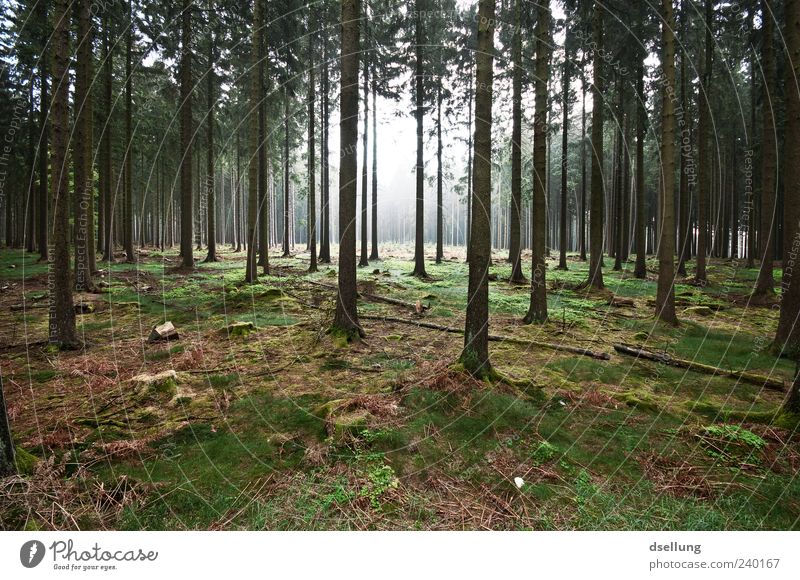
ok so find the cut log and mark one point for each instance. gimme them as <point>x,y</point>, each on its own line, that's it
<point>163,332</point>
<point>667,359</point>
<point>494,337</point>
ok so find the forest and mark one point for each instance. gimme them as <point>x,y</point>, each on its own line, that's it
<point>383,265</point>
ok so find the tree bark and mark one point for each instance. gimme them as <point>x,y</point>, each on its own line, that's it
<point>597,202</point>
<point>562,233</point>
<point>537,311</point>
<point>765,284</point>
<point>346,317</point>
<point>515,246</point>
<point>185,73</point>
<point>419,102</point>
<point>363,261</point>
<point>475,356</point>
<point>211,215</point>
<point>374,255</point>
<point>251,269</point>
<point>312,166</point>
<point>704,149</point>
<point>665,294</point>
<point>61,311</point>
<point>787,337</point>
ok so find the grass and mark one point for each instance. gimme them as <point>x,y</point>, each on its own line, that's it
<point>618,444</point>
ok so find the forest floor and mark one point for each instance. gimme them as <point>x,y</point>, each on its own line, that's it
<point>283,426</point>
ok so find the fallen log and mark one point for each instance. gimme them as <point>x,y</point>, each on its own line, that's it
<point>667,359</point>
<point>493,337</point>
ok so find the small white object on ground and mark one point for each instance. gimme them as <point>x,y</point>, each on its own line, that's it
<point>519,482</point>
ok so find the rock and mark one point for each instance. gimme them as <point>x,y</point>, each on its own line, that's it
<point>376,271</point>
<point>240,328</point>
<point>163,332</point>
<point>26,462</point>
<point>164,383</point>
<point>492,277</point>
<point>699,310</point>
<point>12,267</point>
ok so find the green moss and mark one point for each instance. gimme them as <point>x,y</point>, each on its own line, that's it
<point>26,462</point>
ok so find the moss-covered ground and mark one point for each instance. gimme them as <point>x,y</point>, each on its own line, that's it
<point>277,424</point>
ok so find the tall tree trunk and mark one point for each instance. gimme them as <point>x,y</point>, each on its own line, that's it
<point>640,269</point>
<point>562,234</point>
<point>596,217</point>
<point>312,191</point>
<point>470,157</point>
<point>582,217</point>
<point>419,102</point>
<point>251,269</point>
<point>211,215</point>
<point>61,311</point>
<point>439,179</point>
<point>665,294</point>
<point>325,229</point>
<point>237,197</point>
<point>105,145</point>
<point>127,222</point>
<point>537,311</point>
<point>82,158</point>
<point>363,261</point>
<point>185,73</point>
<point>685,156</point>
<point>263,164</point>
<point>705,178</point>
<point>374,253</point>
<point>43,203</point>
<point>616,238</point>
<point>514,245</point>
<point>346,317</point>
<point>787,337</point>
<point>765,284</point>
<point>475,356</point>
<point>287,206</point>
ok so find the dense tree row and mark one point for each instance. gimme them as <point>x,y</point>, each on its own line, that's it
<point>577,126</point>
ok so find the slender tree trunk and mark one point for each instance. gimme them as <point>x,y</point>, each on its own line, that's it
<point>263,164</point>
<point>127,222</point>
<point>562,243</point>
<point>640,269</point>
<point>515,249</point>
<point>211,209</point>
<point>439,179</point>
<point>765,284</point>
<point>470,158</point>
<point>374,254</point>
<point>363,261</point>
<point>325,229</point>
<point>705,181</point>
<point>346,317</point>
<point>537,311</point>
<point>286,163</point>
<point>61,311</point>
<point>82,157</point>
<point>43,203</point>
<point>419,101</point>
<point>582,217</point>
<point>251,269</point>
<point>107,155</point>
<point>596,223</point>
<point>665,295</point>
<point>312,167</point>
<point>685,153</point>
<point>475,356</point>
<point>787,337</point>
<point>185,73</point>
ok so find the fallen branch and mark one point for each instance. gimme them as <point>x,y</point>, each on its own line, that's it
<point>494,337</point>
<point>754,379</point>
